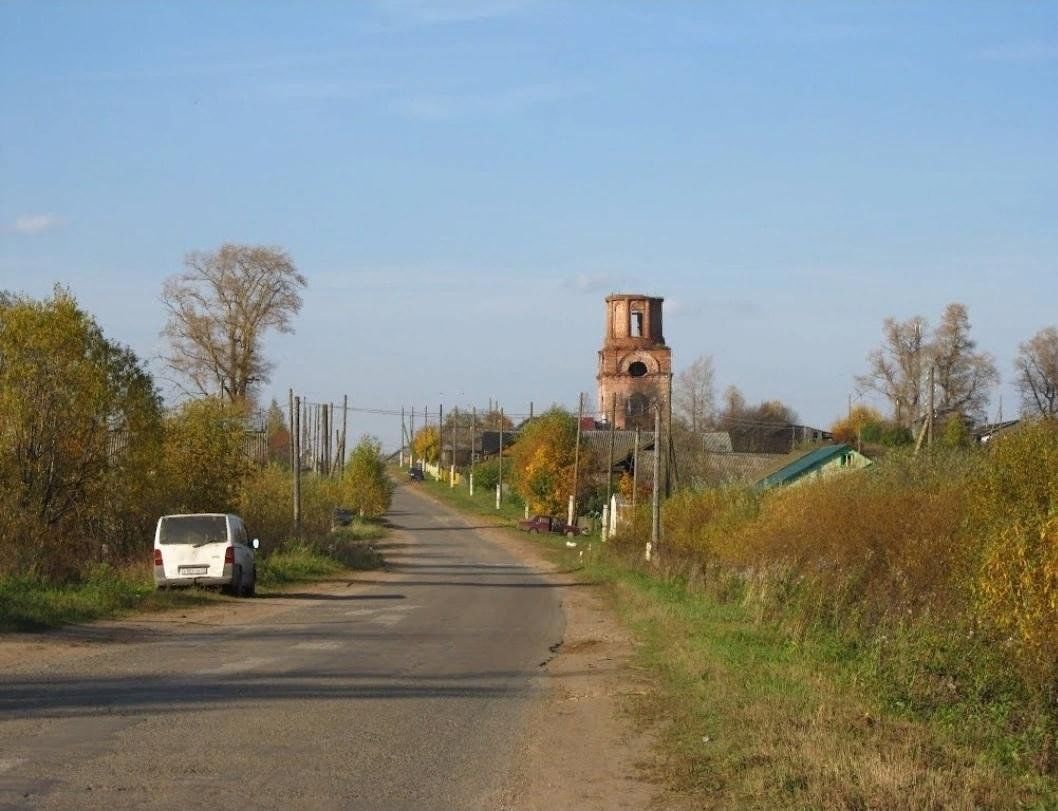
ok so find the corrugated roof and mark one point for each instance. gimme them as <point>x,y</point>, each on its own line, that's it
<point>623,443</point>
<point>717,442</point>
<point>796,464</point>
<point>738,468</point>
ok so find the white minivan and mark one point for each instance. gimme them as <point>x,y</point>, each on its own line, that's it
<point>206,549</point>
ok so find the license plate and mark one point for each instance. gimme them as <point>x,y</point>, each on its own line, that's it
<point>193,569</point>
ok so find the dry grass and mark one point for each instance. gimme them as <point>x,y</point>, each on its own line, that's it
<point>880,640</point>
<point>750,718</point>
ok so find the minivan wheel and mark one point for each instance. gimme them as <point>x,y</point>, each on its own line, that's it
<point>235,586</point>
<point>251,587</point>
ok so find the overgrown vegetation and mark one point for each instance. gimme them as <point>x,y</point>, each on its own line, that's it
<point>90,461</point>
<point>932,581</point>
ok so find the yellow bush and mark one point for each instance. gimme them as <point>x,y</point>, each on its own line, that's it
<point>1019,592</point>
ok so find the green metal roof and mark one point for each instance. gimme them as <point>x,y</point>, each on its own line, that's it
<point>803,464</point>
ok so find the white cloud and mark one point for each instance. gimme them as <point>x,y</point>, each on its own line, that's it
<point>34,223</point>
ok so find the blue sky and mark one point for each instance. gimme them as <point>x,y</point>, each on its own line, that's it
<point>462,182</point>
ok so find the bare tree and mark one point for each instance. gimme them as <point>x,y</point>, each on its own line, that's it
<point>897,369</point>
<point>734,402</point>
<point>220,307</point>
<point>694,394</point>
<point>964,377</point>
<point>1037,373</point>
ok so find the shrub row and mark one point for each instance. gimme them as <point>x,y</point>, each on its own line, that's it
<point>943,568</point>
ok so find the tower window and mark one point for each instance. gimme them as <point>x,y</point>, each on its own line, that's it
<point>637,368</point>
<point>636,326</point>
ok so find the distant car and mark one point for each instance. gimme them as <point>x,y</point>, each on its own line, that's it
<point>548,523</point>
<point>415,474</point>
<point>205,549</point>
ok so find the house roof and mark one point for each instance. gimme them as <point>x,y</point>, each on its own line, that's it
<point>796,464</point>
<point>623,443</point>
<point>717,442</point>
<point>738,468</point>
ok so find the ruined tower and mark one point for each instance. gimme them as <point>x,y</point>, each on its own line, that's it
<point>635,365</point>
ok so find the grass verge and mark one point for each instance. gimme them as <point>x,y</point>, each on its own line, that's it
<point>749,716</point>
<point>29,604</point>
<point>483,502</point>
<point>302,561</point>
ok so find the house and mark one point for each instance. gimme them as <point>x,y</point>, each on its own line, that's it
<point>812,464</point>
<point>775,438</point>
<point>985,433</point>
<point>486,445</point>
<point>721,469</point>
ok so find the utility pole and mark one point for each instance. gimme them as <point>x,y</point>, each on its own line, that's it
<point>455,447</point>
<point>609,465</point>
<point>576,458</point>
<point>290,428</point>
<point>440,440</point>
<point>635,470</point>
<point>499,482</point>
<point>607,518</point>
<point>655,506</point>
<point>932,407</point>
<point>473,431</point>
<point>668,438</point>
<point>345,428</point>
<point>325,430</point>
<point>530,411</point>
<point>297,467</point>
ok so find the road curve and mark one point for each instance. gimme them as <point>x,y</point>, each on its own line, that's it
<point>404,689</point>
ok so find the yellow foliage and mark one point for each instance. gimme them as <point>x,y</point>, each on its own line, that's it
<point>848,428</point>
<point>542,462</point>
<point>426,444</point>
<point>1019,591</point>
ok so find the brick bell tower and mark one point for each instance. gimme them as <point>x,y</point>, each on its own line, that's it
<point>635,365</point>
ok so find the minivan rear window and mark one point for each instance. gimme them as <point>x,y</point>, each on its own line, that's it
<point>194,529</point>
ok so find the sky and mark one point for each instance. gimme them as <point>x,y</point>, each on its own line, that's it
<point>462,182</point>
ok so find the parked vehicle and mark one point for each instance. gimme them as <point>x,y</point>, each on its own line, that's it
<point>548,523</point>
<point>415,474</point>
<point>205,549</point>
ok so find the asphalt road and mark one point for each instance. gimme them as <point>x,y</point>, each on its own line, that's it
<point>403,689</point>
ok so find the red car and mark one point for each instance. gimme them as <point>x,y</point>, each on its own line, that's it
<point>548,523</point>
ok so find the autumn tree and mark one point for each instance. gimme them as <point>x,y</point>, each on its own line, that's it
<point>220,309</point>
<point>205,458</point>
<point>277,434</point>
<point>755,428</point>
<point>80,418</point>
<point>365,486</point>
<point>963,376</point>
<point>1036,366</point>
<point>426,444</point>
<point>542,462</point>
<point>850,427</point>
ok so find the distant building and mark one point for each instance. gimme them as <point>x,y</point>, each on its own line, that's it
<point>635,365</point>
<point>813,463</point>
